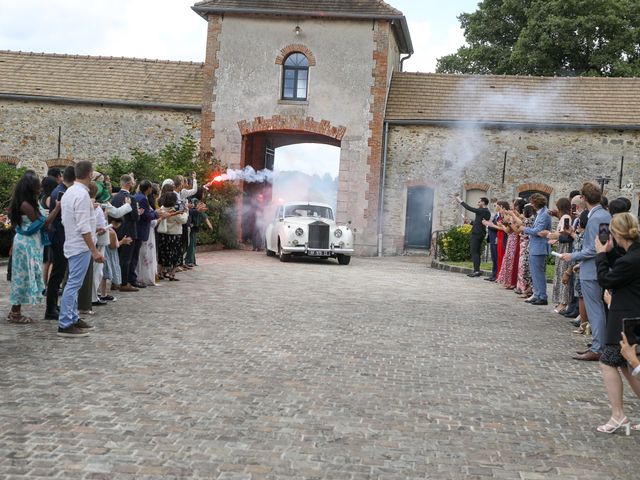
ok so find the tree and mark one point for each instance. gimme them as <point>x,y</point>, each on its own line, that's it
<point>549,37</point>
<point>181,159</point>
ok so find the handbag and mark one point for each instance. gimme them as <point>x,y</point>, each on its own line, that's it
<point>162,226</point>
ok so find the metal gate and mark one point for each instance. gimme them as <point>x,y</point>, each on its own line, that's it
<point>419,217</point>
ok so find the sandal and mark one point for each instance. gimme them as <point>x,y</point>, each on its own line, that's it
<point>612,425</point>
<point>174,279</point>
<point>19,319</point>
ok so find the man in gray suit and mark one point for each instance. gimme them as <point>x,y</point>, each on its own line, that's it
<point>591,290</point>
<point>539,249</point>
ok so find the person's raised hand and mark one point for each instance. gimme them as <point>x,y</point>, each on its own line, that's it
<point>603,248</point>
<point>629,351</point>
<point>127,200</point>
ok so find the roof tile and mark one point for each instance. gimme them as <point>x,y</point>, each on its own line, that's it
<point>507,99</point>
<point>101,78</point>
<point>335,7</point>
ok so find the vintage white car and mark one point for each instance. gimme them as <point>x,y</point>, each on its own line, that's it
<point>309,229</point>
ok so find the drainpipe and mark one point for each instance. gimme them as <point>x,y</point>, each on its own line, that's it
<point>382,182</point>
<point>403,59</point>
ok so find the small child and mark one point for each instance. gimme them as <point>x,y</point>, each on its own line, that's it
<point>111,259</point>
<point>101,244</point>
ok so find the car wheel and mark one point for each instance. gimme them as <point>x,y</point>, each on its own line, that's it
<point>344,259</point>
<point>284,257</point>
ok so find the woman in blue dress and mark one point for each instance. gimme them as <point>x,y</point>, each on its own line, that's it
<point>26,262</point>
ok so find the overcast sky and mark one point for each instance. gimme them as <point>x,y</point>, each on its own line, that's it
<point>170,30</point>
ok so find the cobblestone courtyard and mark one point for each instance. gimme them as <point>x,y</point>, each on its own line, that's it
<point>249,369</point>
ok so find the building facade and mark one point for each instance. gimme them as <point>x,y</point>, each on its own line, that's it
<point>280,72</point>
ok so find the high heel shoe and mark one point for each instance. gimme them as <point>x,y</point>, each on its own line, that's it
<point>613,425</point>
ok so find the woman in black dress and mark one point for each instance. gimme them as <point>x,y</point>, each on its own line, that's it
<point>622,279</point>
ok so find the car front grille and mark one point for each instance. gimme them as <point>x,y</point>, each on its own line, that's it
<point>319,235</point>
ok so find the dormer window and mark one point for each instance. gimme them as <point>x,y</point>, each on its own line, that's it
<point>295,77</point>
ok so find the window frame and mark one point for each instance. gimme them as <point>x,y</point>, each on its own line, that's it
<point>296,70</point>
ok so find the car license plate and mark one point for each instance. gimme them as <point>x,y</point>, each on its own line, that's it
<point>318,253</point>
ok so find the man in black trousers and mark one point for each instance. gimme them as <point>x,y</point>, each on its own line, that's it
<point>59,262</point>
<point>129,228</point>
<point>478,231</point>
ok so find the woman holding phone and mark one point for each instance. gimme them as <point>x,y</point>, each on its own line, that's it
<point>623,280</point>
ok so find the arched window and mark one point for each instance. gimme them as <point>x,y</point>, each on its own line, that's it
<point>295,77</point>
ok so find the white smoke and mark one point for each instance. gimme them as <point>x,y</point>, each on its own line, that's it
<point>248,174</point>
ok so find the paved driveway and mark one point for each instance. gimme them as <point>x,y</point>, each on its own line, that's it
<point>249,368</point>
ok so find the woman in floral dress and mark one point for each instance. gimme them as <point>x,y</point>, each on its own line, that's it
<point>509,271</point>
<point>523,284</point>
<point>562,292</point>
<point>27,283</point>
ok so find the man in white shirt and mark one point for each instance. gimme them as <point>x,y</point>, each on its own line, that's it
<point>79,221</point>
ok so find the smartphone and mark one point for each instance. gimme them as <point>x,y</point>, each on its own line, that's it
<point>180,207</point>
<point>194,202</point>
<point>603,233</point>
<point>574,208</point>
<point>567,224</point>
<point>59,197</point>
<point>631,328</point>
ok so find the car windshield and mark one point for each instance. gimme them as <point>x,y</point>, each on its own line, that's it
<point>308,211</point>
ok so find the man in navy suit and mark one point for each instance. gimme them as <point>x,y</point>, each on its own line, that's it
<point>492,240</point>
<point>144,227</point>
<point>539,249</point>
<point>128,228</point>
<point>478,231</point>
<point>591,289</point>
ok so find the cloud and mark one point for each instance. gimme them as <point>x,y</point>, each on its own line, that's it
<point>428,47</point>
<point>163,29</point>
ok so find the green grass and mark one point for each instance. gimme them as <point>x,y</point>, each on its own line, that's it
<point>487,266</point>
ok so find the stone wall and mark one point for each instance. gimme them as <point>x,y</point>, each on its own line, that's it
<point>29,131</point>
<point>448,159</point>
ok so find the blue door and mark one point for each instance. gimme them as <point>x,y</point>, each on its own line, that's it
<point>419,217</point>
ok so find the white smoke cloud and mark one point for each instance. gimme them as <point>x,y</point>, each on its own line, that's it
<point>248,174</point>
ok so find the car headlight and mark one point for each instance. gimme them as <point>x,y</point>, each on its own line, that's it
<point>338,233</point>
<point>299,232</point>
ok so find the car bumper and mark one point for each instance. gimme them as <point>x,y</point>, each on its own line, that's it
<point>316,252</point>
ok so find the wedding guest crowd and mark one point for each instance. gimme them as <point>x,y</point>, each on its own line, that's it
<point>77,238</point>
<point>595,281</point>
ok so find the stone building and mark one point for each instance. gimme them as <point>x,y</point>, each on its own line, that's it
<point>57,109</point>
<point>280,72</point>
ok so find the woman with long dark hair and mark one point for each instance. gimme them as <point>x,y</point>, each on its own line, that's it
<point>26,262</point>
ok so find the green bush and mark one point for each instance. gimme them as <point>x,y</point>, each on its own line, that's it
<point>455,244</point>
<point>181,159</point>
<point>9,176</point>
